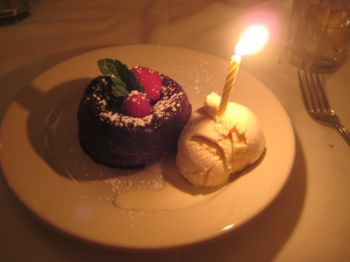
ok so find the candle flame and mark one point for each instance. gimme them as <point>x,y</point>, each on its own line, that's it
<point>252,40</point>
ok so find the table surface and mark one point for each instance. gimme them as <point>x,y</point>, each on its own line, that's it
<point>309,220</point>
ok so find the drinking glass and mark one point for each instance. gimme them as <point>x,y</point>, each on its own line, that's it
<point>319,34</point>
<point>12,11</point>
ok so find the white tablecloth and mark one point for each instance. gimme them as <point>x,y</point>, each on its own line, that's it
<point>308,221</point>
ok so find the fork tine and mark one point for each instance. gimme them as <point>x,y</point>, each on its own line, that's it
<point>316,102</point>
<point>321,94</point>
<point>313,88</point>
<point>304,91</point>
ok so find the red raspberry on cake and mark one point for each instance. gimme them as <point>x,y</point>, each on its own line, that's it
<point>136,104</point>
<point>150,80</point>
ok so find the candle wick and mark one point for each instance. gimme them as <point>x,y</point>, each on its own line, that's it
<point>236,57</point>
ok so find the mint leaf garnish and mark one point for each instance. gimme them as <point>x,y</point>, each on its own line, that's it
<point>123,80</point>
<point>109,68</point>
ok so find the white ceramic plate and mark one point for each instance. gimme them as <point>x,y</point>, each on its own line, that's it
<point>150,208</point>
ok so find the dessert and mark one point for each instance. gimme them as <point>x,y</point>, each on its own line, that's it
<point>212,147</point>
<point>129,118</point>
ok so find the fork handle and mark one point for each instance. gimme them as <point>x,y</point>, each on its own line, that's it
<point>344,133</point>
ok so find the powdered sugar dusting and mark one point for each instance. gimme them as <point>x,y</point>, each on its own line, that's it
<point>199,76</point>
<point>164,108</point>
<point>121,185</point>
<point>121,120</point>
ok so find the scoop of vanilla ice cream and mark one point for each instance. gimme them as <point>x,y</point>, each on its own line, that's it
<point>212,147</point>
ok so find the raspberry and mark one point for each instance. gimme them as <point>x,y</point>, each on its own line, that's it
<point>136,104</point>
<point>150,80</point>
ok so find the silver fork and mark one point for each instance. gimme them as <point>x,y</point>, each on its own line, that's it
<point>316,102</point>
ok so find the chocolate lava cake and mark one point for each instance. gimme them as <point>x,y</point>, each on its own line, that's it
<point>133,126</point>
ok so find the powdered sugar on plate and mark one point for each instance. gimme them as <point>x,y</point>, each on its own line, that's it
<point>124,184</point>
